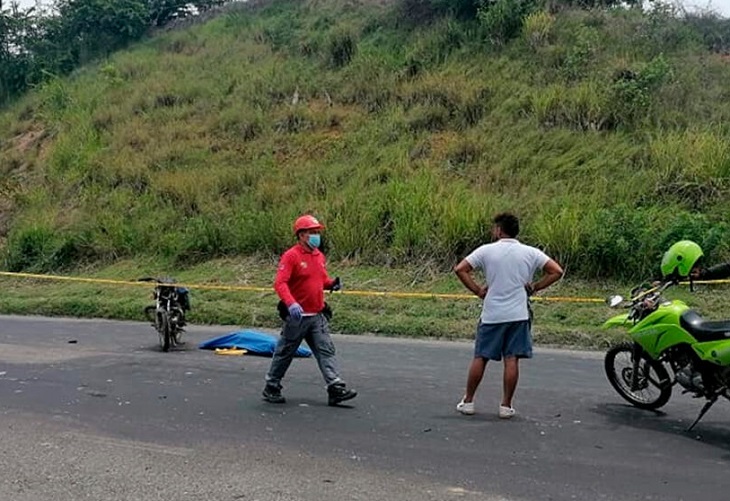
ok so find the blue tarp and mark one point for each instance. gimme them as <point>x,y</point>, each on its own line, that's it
<point>257,343</point>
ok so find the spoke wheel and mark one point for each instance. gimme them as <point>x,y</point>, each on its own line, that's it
<point>652,387</point>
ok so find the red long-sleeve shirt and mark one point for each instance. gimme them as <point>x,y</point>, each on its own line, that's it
<point>302,278</point>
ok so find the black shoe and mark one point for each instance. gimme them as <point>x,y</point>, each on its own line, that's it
<point>338,392</point>
<point>273,395</point>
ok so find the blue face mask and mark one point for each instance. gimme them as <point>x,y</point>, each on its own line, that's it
<point>315,241</point>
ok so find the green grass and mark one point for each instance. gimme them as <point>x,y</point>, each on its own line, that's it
<point>603,130</point>
<point>556,324</point>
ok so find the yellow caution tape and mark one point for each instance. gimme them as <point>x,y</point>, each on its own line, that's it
<point>135,283</point>
<point>245,288</point>
<point>230,351</point>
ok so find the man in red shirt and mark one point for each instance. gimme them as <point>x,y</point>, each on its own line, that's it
<point>300,283</point>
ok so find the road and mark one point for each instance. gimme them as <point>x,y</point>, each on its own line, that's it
<point>92,410</point>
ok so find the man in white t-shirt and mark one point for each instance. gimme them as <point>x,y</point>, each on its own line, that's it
<point>504,327</point>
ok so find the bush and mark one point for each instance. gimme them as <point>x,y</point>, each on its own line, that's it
<point>419,12</point>
<point>537,28</point>
<point>712,30</point>
<point>462,9</point>
<point>38,248</point>
<point>623,241</point>
<point>689,168</point>
<point>203,238</point>
<point>416,12</point>
<point>581,54</point>
<point>435,45</point>
<point>341,48</point>
<point>293,122</point>
<point>581,107</point>
<point>240,124</point>
<point>502,19</point>
<point>668,28</point>
<point>428,118</point>
<point>634,91</point>
<point>367,83</point>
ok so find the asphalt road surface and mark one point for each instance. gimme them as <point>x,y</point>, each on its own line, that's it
<point>93,410</point>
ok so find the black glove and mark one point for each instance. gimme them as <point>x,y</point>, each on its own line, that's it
<point>336,285</point>
<point>717,272</point>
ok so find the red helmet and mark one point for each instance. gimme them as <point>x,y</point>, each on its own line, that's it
<point>307,222</point>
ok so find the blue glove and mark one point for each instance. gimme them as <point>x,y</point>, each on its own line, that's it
<point>336,285</point>
<point>296,312</point>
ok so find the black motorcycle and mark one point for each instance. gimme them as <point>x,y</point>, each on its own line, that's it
<point>167,315</point>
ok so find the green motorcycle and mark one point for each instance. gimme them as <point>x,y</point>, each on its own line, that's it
<point>671,344</point>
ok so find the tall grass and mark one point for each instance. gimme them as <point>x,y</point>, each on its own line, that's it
<point>405,139</point>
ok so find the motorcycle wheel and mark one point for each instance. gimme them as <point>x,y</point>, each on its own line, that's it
<point>149,314</point>
<point>163,330</point>
<point>653,385</point>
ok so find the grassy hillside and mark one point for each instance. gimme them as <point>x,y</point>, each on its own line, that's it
<point>605,130</point>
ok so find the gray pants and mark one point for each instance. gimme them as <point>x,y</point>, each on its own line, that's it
<point>315,331</point>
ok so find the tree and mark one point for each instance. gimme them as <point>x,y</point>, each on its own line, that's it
<point>15,60</point>
<point>164,11</point>
<point>99,27</point>
<point>34,45</point>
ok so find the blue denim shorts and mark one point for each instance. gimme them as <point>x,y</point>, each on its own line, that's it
<point>508,339</point>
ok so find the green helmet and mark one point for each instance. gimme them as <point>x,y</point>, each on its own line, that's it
<point>681,258</point>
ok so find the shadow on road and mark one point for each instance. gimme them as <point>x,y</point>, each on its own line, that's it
<point>155,348</point>
<point>717,435</point>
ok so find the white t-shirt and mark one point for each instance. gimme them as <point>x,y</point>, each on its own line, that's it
<point>508,266</point>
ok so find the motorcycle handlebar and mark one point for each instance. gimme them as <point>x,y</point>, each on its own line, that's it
<point>162,281</point>
<point>657,288</point>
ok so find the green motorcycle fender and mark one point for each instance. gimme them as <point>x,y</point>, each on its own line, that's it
<point>716,352</point>
<point>617,321</point>
<point>654,339</point>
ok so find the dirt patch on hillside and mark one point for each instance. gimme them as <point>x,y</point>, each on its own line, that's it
<point>16,162</point>
<point>28,139</point>
<point>6,213</point>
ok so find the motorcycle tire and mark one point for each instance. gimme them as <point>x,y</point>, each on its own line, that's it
<point>658,378</point>
<point>149,314</point>
<point>163,329</point>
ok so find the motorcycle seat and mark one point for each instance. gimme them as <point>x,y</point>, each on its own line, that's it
<point>704,330</point>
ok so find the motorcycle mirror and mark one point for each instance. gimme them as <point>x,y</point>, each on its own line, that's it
<point>614,301</point>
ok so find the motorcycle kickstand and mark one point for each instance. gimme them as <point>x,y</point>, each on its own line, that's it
<point>710,402</point>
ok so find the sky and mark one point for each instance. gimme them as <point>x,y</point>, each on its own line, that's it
<point>722,7</point>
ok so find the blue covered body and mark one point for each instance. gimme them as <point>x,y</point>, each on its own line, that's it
<point>256,343</point>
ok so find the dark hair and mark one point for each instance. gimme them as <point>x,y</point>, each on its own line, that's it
<point>508,223</point>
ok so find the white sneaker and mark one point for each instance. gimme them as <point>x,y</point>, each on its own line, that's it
<point>466,408</point>
<point>506,412</point>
